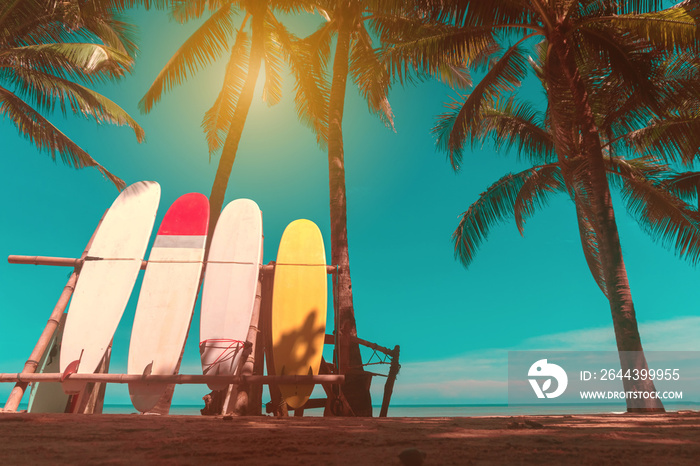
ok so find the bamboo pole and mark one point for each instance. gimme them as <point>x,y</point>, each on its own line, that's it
<point>175,378</point>
<point>243,398</point>
<point>391,378</point>
<point>45,338</point>
<point>55,261</point>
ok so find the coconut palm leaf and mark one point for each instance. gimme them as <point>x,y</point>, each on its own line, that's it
<point>685,185</point>
<point>432,49</point>
<point>46,137</point>
<point>272,90</point>
<point>673,28</point>
<point>92,63</point>
<point>676,138</point>
<point>665,217</point>
<point>307,62</point>
<point>99,18</point>
<point>494,205</point>
<point>217,119</point>
<point>371,76</point>
<point>49,52</point>
<point>479,13</point>
<point>113,33</point>
<point>518,126</point>
<point>619,63</point>
<point>453,128</point>
<point>187,10</point>
<point>536,191</point>
<point>203,47</point>
<point>46,90</point>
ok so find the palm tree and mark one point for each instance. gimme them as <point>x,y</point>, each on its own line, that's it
<point>576,36</point>
<point>261,40</point>
<point>356,58</point>
<point>50,52</point>
<point>643,183</point>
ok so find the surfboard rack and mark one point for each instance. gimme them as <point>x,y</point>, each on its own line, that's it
<point>77,263</point>
<point>173,379</point>
<point>248,385</point>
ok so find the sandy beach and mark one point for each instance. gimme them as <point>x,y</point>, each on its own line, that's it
<point>581,439</point>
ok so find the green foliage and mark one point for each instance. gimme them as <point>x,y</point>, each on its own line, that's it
<point>214,38</point>
<point>49,53</point>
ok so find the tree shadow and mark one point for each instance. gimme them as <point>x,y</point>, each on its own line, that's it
<point>298,352</point>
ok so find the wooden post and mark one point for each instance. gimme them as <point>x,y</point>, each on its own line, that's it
<point>266,322</point>
<point>243,399</point>
<point>45,338</point>
<point>391,378</point>
<point>336,404</point>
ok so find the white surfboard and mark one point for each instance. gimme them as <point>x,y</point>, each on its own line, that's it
<point>168,294</point>
<point>107,278</point>
<point>230,283</point>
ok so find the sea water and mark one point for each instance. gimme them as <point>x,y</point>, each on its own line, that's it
<point>450,410</point>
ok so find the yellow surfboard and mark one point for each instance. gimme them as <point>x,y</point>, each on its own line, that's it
<point>299,301</point>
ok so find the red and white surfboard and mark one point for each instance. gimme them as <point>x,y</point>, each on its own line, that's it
<point>168,295</point>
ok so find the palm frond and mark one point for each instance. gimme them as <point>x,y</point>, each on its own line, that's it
<point>294,6</point>
<point>685,185</point>
<point>665,217</point>
<point>454,76</point>
<point>673,28</point>
<point>473,13</point>
<point>217,119</point>
<point>414,49</point>
<point>92,63</point>
<point>675,138</point>
<point>183,11</point>
<point>203,47</point>
<point>535,192</point>
<point>46,137</point>
<point>272,90</point>
<point>453,129</point>
<point>102,20</point>
<point>493,206</point>
<point>46,90</point>
<point>370,76</point>
<point>618,57</point>
<point>307,60</point>
<point>516,126</point>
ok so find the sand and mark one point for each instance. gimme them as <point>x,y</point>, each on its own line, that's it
<point>135,439</point>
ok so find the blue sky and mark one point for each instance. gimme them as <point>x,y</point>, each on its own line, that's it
<point>454,325</point>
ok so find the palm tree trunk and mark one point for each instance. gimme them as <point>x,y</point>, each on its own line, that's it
<point>240,114</point>
<point>629,343</point>
<point>356,388</point>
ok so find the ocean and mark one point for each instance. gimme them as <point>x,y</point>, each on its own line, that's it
<point>451,410</point>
